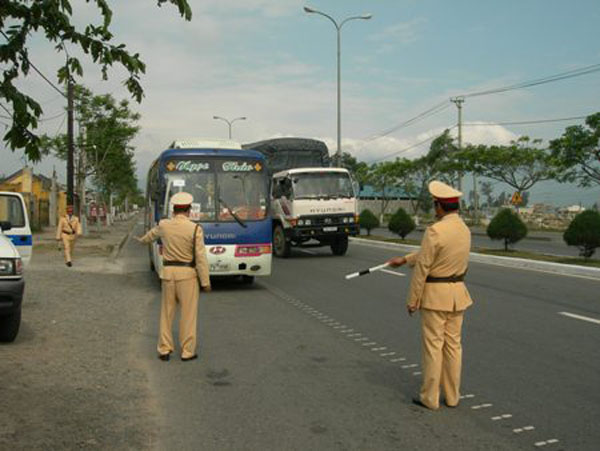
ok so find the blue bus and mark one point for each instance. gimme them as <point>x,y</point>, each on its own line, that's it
<point>230,187</point>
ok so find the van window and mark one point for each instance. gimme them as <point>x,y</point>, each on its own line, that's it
<point>11,210</point>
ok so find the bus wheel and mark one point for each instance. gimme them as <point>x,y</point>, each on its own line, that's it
<point>281,247</point>
<point>247,280</point>
<point>340,246</point>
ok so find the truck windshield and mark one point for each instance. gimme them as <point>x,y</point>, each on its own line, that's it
<point>220,188</point>
<point>318,185</point>
<point>11,210</point>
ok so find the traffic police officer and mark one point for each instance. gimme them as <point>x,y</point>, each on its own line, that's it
<point>184,262</point>
<point>67,231</point>
<point>438,291</point>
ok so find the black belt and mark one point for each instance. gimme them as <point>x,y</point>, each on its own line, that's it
<point>451,279</point>
<point>175,263</point>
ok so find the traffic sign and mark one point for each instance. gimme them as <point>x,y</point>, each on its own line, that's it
<point>516,198</point>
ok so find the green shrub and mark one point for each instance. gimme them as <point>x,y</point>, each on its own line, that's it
<point>584,232</point>
<point>507,226</point>
<point>368,220</point>
<point>401,223</point>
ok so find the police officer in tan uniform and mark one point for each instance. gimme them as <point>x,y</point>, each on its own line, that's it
<point>184,262</point>
<point>67,231</point>
<point>438,291</point>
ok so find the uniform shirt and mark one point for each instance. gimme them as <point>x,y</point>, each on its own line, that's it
<point>444,252</point>
<point>177,236</point>
<point>69,225</point>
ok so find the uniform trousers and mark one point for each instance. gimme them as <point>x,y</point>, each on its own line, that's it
<point>68,245</point>
<point>441,356</point>
<point>185,292</point>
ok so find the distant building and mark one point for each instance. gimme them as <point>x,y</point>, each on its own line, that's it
<point>37,190</point>
<point>392,199</point>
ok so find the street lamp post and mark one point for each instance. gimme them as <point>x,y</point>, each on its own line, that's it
<point>229,122</point>
<point>338,27</point>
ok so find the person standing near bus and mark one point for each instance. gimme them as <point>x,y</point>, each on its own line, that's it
<point>67,231</point>
<point>184,262</point>
<point>438,291</point>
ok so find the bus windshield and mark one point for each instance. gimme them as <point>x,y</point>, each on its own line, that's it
<point>328,185</point>
<point>223,190</point>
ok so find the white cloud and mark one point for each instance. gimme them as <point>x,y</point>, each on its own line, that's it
<point>402,33</point>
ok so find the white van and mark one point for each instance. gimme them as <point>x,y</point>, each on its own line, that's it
<point>13,211</point>
<point>12,286</point>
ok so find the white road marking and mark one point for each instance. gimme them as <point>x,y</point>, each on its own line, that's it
<point>382,348</point>
<point>411,365</point>
<point>355,335</point>
<point>362,339</point>
<point>387,354</point>
<point>502,417</point>
<point>370,343</point>
<point>399,359</point>
<point>467,396</point>
<point>393,272</point>
<point>417,373</point>
<point>582,318</point>
<point>523,429</point>
<point>481,406</point>
<point>546,442</point>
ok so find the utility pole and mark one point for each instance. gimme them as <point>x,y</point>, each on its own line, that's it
<point>459,101</point>
<point>70,141</point>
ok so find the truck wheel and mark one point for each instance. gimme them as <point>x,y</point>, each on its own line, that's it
<point>9,326</point>
<point>281,247</point>
<point>340,246</point>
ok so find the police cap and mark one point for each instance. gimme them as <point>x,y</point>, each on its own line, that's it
<point>443,192</point>
<point>182,199</point>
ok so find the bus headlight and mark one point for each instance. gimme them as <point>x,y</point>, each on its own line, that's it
<point>252,250</point>
<point>11,267</point>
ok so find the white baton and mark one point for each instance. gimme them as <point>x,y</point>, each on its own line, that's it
<point>367,271</point>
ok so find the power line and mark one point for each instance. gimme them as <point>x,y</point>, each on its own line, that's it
<point>406,149</point>
<point>538,121</point>
<point>425,114</point>
<point>539,81</point>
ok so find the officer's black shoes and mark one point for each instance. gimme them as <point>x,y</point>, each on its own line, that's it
<point>164,357</point>
<point>187,359</point>
<point>69,264</point>
<point>418,402</point>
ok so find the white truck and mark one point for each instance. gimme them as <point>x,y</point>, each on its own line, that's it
<point>314,206</point>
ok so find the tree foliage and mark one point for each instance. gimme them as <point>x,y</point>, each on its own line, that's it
<point>584,232</point>
<point>577,152</point>
<point>507,226</point>
<point>20,20</point>
<point>401,223</point>
<point>520,165</point>
<point>109,126</point>
<point>368,220</point>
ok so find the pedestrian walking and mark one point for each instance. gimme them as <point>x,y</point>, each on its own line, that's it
<point>438,292</point>
<point>184,261</point>
<point>67,231</point>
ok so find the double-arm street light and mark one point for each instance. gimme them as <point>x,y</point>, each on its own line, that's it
<point>229,122</point>
<point>338,27</point>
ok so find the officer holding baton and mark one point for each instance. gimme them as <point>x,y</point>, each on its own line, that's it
<point>184,263</point>
<point>438,291</point>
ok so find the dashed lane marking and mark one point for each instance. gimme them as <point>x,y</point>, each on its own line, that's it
<point>504,416</point>
<point>387,354</point>
<point>417,373</point>
<point>523,429</point>
<point>399,359</point>
<point>470,395</point>
<point>410,365</point>
<point>382,348</point>
<point>369,343</point>
<point>580,317</point>
<point>546,442</point>
<point>481,406</point>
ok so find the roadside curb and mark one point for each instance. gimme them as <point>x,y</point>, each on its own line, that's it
<point>509,262</point>
<point>115,253</point>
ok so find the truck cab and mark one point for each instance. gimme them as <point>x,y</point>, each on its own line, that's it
<point>313,207</point>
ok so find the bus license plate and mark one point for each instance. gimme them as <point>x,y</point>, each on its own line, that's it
<point>329,229</point>
<point>219,267</point>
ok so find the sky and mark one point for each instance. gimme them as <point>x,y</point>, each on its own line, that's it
<point>273,63</point>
